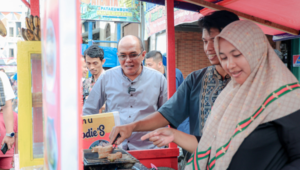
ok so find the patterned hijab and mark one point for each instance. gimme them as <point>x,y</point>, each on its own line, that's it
<point>269,93</point>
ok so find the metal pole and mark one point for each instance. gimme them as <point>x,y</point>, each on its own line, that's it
<point>35,7</point>
<point>170,47</point>
<point>118,37</point>
<point>170,31</point>
<point>90,33</point>
<point>118,32</point>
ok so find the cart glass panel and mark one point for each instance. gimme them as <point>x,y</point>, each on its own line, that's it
<point>37,106</point>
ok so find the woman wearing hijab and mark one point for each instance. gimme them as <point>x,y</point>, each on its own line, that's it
<point>254,123</point>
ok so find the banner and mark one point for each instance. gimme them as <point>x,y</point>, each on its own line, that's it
<point>97,128</point>
<point>110,10</point>
<point>155,18</point>
<point>62,96</point>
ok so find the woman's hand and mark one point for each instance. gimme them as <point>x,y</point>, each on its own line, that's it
<point>160,137</point>
<point>164,136</point>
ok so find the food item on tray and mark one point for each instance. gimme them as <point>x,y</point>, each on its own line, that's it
<point>96,148</point>
<point>113,157</point>
<point>103,155</point>
<point>108,148</point>
<point>104,151</point>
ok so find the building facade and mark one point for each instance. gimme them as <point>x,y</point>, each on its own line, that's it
<point>12,15</point>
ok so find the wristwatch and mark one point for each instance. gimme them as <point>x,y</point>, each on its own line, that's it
<point>10,134</point>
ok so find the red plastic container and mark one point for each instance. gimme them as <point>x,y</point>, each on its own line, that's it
<point>158,157</point>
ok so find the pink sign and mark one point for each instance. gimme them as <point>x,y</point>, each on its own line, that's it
<point>62,98</point>
<point>155,19</point>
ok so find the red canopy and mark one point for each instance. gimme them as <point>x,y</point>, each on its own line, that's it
<point>278,11</point>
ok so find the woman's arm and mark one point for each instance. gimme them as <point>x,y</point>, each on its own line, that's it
<point>164,136</point>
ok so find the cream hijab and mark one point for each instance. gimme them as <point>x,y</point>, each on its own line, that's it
<point>270,92</point>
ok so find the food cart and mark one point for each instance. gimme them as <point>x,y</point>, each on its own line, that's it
<point>49,79</point>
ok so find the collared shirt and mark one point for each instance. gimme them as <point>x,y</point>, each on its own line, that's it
<point>194,99</point>
<point>185,125</point>
<point>89,83</point>
<point>134,100</point>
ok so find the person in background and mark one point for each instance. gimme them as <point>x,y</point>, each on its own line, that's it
<point>8,133</point>
<point>94,58</point>
<point>131,89</point>
<point>7,159</point>
<point>154,59</point>
<point>84,70</point>
<point>14,81</point>
<point>3,70</point>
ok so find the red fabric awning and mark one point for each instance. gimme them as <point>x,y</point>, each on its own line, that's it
<point>278,11</point>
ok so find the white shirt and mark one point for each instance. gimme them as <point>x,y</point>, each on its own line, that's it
<point>8,91</point>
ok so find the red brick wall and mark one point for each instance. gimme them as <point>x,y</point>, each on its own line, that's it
<point>190,55</point>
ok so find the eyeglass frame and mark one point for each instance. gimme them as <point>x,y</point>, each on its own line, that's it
<point>128,56</point>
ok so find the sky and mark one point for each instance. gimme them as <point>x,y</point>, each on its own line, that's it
<point>11,5</point>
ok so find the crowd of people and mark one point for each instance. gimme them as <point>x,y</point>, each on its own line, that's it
<point>242,112</point>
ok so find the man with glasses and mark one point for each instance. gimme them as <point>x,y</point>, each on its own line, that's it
<point>133,90</point>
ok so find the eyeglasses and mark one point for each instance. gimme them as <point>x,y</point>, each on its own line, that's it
<point>133,56</point>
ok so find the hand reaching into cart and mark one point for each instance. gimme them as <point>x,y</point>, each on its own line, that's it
<point>160,137</point>
<point>151,122</point>
<point>125,132</point>
<point>164,136</point>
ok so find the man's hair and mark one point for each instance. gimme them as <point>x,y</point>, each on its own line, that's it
<point>217,19</point>
<point>156,55</point>
<point>2,69</point>
<point>140,42</point>
<point>94,51</point>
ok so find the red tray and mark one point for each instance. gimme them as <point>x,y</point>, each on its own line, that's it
<point>159,157</point>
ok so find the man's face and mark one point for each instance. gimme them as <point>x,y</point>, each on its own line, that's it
<point>152,64</point>
<point>208,42</point>
<point>94,65</point>
<point>127,46</point>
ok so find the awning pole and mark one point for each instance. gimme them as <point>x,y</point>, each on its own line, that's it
<point>170,52</point>
<point>35,7</point>
<point>90,33</point>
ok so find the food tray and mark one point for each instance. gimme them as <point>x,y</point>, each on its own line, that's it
<point>92,161</point>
